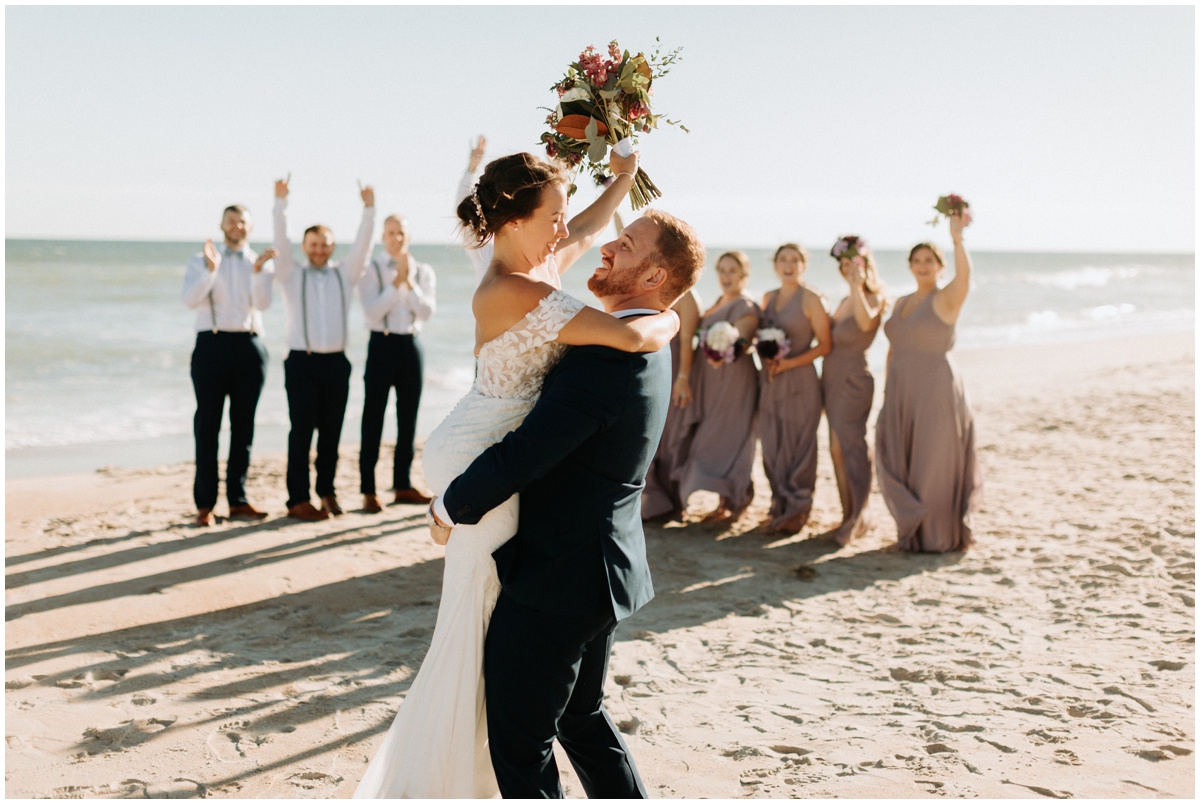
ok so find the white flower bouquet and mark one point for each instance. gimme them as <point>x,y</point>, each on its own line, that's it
<point>720,341</point>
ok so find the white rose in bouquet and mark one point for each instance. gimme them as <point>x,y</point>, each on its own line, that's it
<point>721,336</point>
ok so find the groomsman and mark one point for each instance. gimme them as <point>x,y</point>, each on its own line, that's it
<point>228,287</point>
<point>316,372</point>
<point>397,297</point>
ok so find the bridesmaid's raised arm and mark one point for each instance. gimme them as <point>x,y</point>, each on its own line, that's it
<point>867,307</point>
<point>948,301</point>
<point>592,327</point>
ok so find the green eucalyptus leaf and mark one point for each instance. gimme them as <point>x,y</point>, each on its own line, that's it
<point>597,151</point>
<point>591,130</point>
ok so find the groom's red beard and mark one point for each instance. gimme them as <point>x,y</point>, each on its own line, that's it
<point>624,283</point>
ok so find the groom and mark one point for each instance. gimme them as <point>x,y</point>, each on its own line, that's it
<point>577,564</point>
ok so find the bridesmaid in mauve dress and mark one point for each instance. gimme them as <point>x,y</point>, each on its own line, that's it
<point>848,386</point>
<point>789,406</point>
<point>661,495</point>
<point>717,442</point>
<point>925,434</point>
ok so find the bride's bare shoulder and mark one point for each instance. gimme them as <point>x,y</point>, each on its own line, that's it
<point>502,300</point>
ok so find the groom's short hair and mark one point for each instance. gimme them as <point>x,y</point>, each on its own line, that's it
<point>678,251</point>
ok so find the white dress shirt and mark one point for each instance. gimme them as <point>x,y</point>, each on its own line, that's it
<point>317,300</point>
<point>399,310</point>
<point>230,298</point>
<point>480,257</point>
<point>439,505</point>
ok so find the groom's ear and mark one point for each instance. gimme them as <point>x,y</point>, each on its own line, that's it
<point>655,279</point>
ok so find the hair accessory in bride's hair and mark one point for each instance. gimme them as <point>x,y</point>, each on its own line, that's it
<point>478,208</point>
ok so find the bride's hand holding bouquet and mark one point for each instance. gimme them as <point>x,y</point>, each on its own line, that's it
<point>605,102</point>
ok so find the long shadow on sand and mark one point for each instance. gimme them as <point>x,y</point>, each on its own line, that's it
<point>149,584</point>
<point>370,633</point>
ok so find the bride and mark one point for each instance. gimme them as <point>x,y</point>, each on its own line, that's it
<point>437,745</point>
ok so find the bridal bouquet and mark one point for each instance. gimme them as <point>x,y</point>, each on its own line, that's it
<point>951,205</point>
<point>605,102</point>
<point>772,342</point>
<point>851,246</point>
<point>720,342</point>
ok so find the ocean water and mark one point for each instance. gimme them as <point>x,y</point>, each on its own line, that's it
<point>98,342</point>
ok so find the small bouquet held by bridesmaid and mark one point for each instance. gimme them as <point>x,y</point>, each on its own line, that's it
<point>852,247</point>
<point>721,342</point>
<point>606,101</point>
<point>772,342</point>
<point>951,205</point>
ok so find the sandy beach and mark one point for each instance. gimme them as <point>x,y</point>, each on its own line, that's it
<point>145,657</point>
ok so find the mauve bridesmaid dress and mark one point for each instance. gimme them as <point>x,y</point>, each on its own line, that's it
<point>661,495</point>
<point>925,436</point>
<point>789,410</point>
<point>849,390</point>
<point>717,442</point>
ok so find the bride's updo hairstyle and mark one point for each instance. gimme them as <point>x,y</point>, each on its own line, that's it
<point>510,189</point>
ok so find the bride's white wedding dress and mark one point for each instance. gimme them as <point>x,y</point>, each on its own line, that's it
<point>437,745</point>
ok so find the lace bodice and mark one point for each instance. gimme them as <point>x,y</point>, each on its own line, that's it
<point>514,364</point>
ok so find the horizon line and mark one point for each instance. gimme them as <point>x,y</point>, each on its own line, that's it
<point>451,244</point>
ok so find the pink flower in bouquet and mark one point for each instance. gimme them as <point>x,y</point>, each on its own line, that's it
<point>851,246</point>
<point>638,110</point>
<point>614,51</point>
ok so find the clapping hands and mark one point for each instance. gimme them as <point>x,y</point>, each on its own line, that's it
<point>212,257</point>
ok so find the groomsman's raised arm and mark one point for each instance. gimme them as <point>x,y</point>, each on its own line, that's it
<point>356,260</point>
<point>285,261</point>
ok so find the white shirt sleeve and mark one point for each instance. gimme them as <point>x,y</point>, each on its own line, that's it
<point>420,298</point>
<point>198,281</point>
<point>356,260</point>
<point>260,285</point>
<point>439,508</point>
<point>285,260</point>
<point>376,301</point>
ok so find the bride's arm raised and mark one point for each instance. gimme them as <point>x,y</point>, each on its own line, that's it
<point>585,227</point>
<point>502,302</point>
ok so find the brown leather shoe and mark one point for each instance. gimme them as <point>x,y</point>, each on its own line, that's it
<point>306,512</point>
<point>246,513</point>
<point>371,504</point>
<point>204,518</point>
<point>329,503</point>
<point>410,497</point>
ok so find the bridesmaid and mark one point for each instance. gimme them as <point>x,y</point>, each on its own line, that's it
<point>717,443</point>
<point>925,434</point>
<point>790,392</point>
<point>661,496</point>
<point>848,385</point>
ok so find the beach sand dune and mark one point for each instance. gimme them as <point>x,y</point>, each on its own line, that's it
<point>1056,659</point>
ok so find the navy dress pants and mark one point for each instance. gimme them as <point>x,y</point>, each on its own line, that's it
<point>393,361</point>
<point>234,365</point>
<point>318,386</point>
<point>544,674</point>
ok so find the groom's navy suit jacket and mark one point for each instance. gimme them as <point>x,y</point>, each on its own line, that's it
<point>579,461</point>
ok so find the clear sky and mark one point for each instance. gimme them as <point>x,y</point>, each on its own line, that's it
<point>1068,128</point>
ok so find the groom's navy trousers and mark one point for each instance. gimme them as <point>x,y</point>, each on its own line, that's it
<point>574,569</point>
